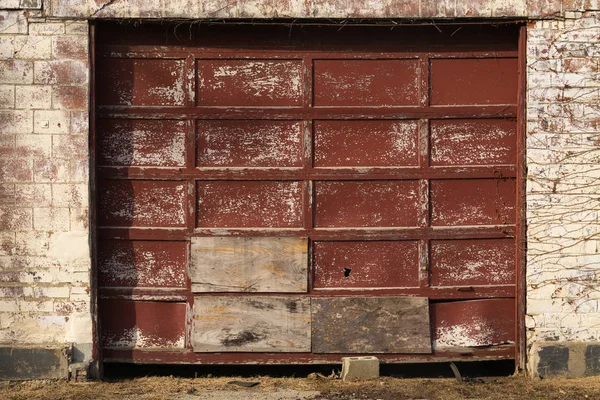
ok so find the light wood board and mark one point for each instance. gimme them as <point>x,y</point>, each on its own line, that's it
<point>249,264</point>
<point>251,324</point>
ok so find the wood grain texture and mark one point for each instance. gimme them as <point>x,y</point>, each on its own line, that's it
<point>249,264</point>
<point>370,325</point>
<point>251,324</point>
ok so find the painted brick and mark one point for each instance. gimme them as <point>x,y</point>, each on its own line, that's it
<point>13,121</point>
<point>7,243</point>
<point>79,218</point>
<point>15,170</point>
<point>70,97</point>
<point>51,219</point>
<point>7,193</point>
<point>79,171</point>
<point>48,170</point>
<point>70,146</point>
<point>31,244</point>
<point>15,219</point>
<point>33,194</point>
<point>12,22</point>
<point>16,71</point>
<point>7,96</point>
<point>33,97</point>
<point>36,306</point>
<point>80,123</point>
<point>69,8</point>
<point>70,47</point>
<point>51,122</point>
<point>71,195</point>
<point>7,47</point>
<point>32,47</point>
<point>37,146</point>
<point>47,28</point>
<point>51,292</point>
<point>7,305</point>
<point>63,72</point>
<point>31,4</point>
<point>76,28</point>
<point>9,4</point>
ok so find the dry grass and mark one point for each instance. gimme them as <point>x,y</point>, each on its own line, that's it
<point>384,388</point>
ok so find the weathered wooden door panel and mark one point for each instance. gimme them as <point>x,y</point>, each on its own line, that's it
<point>248,143</point>
<point>360,143</point>
<point>142,263</point>
<point>258,83</point>
<point>472,324</point>
<point>251,324</point>
<point>366,204</point>
<point>365,264</point>
<point>472,262</point>
<point>249,264</point>
<point>473,142</point>
<point>306,192</point>
<point>140,82</point>
<point>474,81</point>
<point>370,83</point>
<point>143,324</point>
<point>370,325</point>
<point>250,204</point>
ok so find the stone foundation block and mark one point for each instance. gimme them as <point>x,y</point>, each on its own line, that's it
<point>360,368</point>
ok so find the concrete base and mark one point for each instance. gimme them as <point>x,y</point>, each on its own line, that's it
<point>568,359</point>
<point>34,363</point>
<point>360,368</point>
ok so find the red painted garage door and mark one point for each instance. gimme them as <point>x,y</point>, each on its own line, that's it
<point>297,193</point>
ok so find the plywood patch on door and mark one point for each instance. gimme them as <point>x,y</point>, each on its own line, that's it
<point>249,264</point>
<point>370,325</point>
<point>251,324</point>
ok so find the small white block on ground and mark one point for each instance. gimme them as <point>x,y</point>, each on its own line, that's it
<point>360,368</point>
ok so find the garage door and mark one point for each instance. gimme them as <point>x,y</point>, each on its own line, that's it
<point>298,193</point>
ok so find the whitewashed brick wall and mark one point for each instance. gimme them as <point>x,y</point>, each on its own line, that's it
<point>563,180</point>
<point>44,249</point>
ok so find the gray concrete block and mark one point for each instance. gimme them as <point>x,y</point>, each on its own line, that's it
<point>360,368</point>
<point>564,359</point>
<point>33,363</point>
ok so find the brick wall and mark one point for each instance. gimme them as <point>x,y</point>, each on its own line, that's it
<point>44,249</point>
<point>563,187</point>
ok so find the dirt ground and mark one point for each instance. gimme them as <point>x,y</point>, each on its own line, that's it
<point>317,388</point>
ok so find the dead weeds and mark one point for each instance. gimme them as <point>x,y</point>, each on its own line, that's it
<point>386,388</point>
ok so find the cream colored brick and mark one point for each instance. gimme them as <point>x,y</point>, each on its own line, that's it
<point>32,243</point>
<point>33,97</point>
<point>76,28</point>
<point>51,219</point>
<point>36,146</point>
<point>36,306</point>
<point>49,170</point>
<point>47,28</point>
<point>13,22</point>
<point>8,305</point>
<point>70,195</point>
<point>7,96</point>
<point>32,47</point>
<point>33,194</point>
<point>51,122</point>
<point>79,219</point>
<point>52,291</point>
<point>7,47</point>
<point>16,121</point>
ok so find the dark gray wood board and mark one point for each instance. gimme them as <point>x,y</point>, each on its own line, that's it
<point>251,324</point>
<point>370,325</point>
